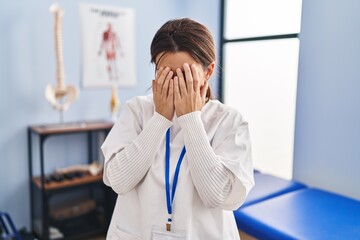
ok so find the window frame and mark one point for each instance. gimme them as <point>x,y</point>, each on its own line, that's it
<point>224,40</point>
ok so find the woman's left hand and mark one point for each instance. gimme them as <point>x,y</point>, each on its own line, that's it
<point>189,95</point>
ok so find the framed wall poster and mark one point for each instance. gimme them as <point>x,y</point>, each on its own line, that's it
<point>108,51</point>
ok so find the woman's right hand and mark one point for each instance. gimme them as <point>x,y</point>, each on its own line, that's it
<point>163,93</point>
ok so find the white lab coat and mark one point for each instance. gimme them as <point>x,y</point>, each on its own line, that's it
<point>143,207</point>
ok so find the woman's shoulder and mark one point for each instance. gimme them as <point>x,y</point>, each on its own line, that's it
<point>140,106</point>
<point>223,111</point>
<point>223,118</point>
<point>140,101</point>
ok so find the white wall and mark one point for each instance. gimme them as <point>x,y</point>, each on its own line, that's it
<point>327,133</point>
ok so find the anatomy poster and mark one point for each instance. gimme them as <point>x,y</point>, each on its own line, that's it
<point>108,51</point>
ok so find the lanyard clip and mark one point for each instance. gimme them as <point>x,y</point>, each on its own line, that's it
<point>168,224</point>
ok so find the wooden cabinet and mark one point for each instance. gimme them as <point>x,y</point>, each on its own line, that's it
<point>68,206</point>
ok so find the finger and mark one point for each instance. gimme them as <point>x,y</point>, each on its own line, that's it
<point>196,79</point>
<point>158,71</point>
<point>182,86</point>
<point>160,80</point>
<point>189,78</point>
<point>171,90</point>
<point>165,88</point>
<point>180,75</point>
<point>177,88</point>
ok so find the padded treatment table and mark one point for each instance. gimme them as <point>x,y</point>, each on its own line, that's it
<point>308,213</point>
<point>268,186</point>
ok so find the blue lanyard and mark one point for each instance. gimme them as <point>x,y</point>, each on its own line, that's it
<point>167,170</point>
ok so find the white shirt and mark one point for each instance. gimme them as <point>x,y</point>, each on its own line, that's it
<point>215,176</point>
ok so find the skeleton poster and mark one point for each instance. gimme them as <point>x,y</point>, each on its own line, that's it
<point>108,46</point>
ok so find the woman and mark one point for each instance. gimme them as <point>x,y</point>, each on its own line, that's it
<point>179,161</point>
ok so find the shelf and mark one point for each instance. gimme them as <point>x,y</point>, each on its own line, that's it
<point>86,179</point>
<point>71,127</point>
<point>49,202</point>
<point>83,226</point>
<point>80,227</point>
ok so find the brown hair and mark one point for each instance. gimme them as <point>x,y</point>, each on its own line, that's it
<point>185,35</point>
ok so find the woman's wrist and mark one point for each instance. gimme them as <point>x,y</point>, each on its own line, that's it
<point>168,115</point>
<point>190,120</point>
<point>161,118</point>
